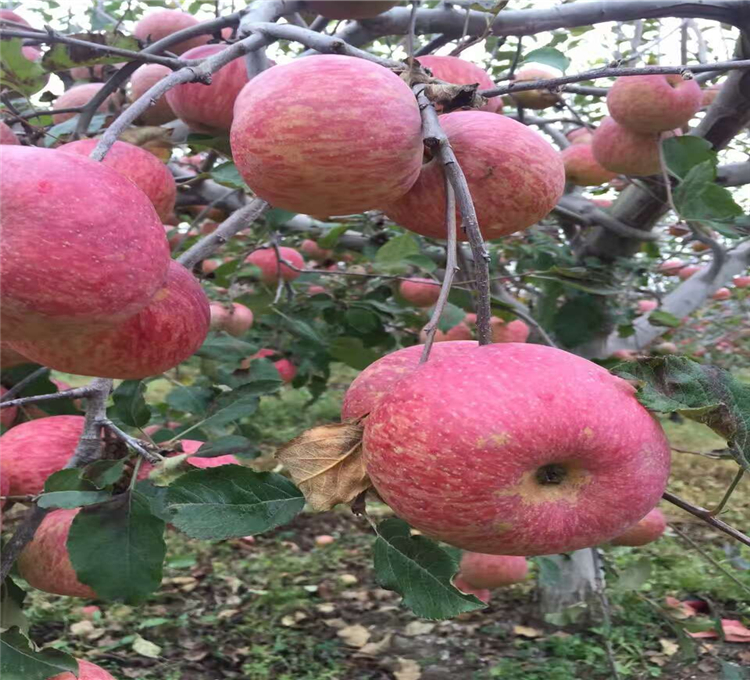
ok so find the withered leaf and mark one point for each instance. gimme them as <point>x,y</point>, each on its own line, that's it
<point>327,465</point>
<point>155,140</point>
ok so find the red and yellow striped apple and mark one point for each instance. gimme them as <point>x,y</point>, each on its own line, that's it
<point>157,25</point>
<point>646,530</point>
<point>582,169</point>
<point>492,571</point>
<point>420,292</point>
<point>270,268</point>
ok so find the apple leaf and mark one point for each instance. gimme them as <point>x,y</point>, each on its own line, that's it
<point>202,142</point>
<point>231,501</point>
<point>11,606</point>
<point>129,405</point>
<point>332,235</point>
<point>661,318</point>
<point>228,175</point>
<point>420,571</point>
<point>223,347</point>
<point>352,352</point>
<point>118,548</point>
<point>362,320</point>
<point>451,316</point>
<point>275,217</point>
<point>104,473</point>
<point>699,198</point>
<point>224,446</point>
<point>684,153</point>
<point>20,660</point>
<point>17,72</point>
<point>71,499</point>
<point>392,255</point>
<point>578,320</point>
<point>706,394</point>
<point>548,55</point>
<point>62,57</point>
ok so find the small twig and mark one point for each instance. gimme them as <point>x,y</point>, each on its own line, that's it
<point>135,444</point>
<point>722,503</point>
<point>707,517</point>
<point>75,393</point>
<point>201,215</point>
<point>435,44</point>
<point>713,455</point>
<point>516,58</point>
<point>21,384</point>
<point>410,34</point>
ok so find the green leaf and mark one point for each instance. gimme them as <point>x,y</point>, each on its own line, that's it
<point>549,56</point>
<point>223,347</point>
<point>731,671</point>
<point>63,57</point>
<point>684,153</point>
<point>230,444</point>
<point>103,473</point>
<point>129,404</point>
<point>202,142</point>
<point>228,175</point>
<point>352,352</point>
<point>118,548</point>
<point>157,498</point>
<point>332,235</point>
<point>190,399</point>
<point>71,499</point>
<point>578,321</point>
<point>231,501</point>
<point>699,198</point>
<point>11,606</point>
<point>19,660</point>
<point>303,330</point>
<point>235,405</point>
<point>393,254</point>
<point>275,217</point>
<point>634,576</point>
<point>549,571</point>
<point>362,320</point>
<point>578,278</point>
<point>421,261</point>
<point>661,318</point>
<point>18,73</point>
<point>706,394</point>
<point>419,570</point>
<point>43,385</point>
<point>451,316</point>
<point>68,480</point>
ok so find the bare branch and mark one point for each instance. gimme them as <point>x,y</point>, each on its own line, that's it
<point>21,384</point>
<point>75,393</point>
<point>707,517</point>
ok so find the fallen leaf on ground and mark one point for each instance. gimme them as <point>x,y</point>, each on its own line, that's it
<point>354,636</point>
<point>145,648</point>
<point>376,648</point>
<point>527,631</point>
<point>418,628</point>
<point>408,669</point>
<point>669,647</point>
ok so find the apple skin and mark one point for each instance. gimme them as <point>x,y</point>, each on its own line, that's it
<point>70,264</point>
<point>33,450</point>
<point>311,248</point>
<point>493,571</point>
<point>646,306</point>
<point>461,72</point>
<point>167,331</point>
<point>190,446</point>
<point>514,454</point>
<point>7,136</point>
<point>79,95</point>
<point>722,294</point>
<point>687,272</point>
<point>143,80</point>
<point>157,25</point>
<point>297,136</point>
<point>624,151</point>
<point>86,671</point>
<point>481,593</point>
<point>654,103</point>
<point>460,331</point>
<point>708,95</point>
<point>379,377</point>
<point>420,292</point>
<point>646,530</point>
<point>511,331</point>
<point>533,99</point>
<point>235,321</point>
<point>142,168</point>
<point>7,415</point>
<point>209,108</point>
<point>287,370</point>
<point>316,290</point>
<point>671,267</point>
<point>514,175</point>
<point>336,9</point>
<point>741,281</point>
<point>45,562</point>
<point>265,260</point>
<point>10,358</point>
<point>582,169</point>
<point>10,15</point>
<point>581,135</point>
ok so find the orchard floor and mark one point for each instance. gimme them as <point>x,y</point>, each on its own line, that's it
<point>282,608</point>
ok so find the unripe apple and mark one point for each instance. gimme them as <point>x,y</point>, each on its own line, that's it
<point>209,108</point>
<point>646,530</point>
<point>493,571</point>
<point>653,103</point>
<point>514,175</point>
<point>157,25</point>
<point>86,671</point>
<point>671,267</point>
<point>582,169</point>
<point>481,593</point>
<point>236,320</point>
<point>7,136</point>
<point>741,281</point>
<point>511,456</point>
<point>687,272</point>
<point>380,376</point>
<point>76,96</point>
<point>69,264</point>
<point>7,415</point>
<point>625,151</point>
<point>265,259</point>
<point>171,328</point>
<point>9,357</point>
<point>143,80</point>
<point>346,9</point>
<point>297,136</point>
<point>645,306</point>
<point>509,331</point>
<point>581,135</point>
<point>533,99</point>
<point>420,292</point>
<point>142,168</point>
<point>311,248</point>
<point>722,294</point>
<point>461,72</point>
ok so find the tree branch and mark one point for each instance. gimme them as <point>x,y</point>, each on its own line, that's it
<point>75,393</point>
<point>21,384</point>
<point>707,517</point>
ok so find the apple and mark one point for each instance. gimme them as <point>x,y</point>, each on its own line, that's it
<point>515,178</point>
<point>687,272</point>
<point>76,96</point>
<point>708,95</point>
<point>33,450</point>
<point>492,571</point>
<point>287,370</point>
<point>4,491</point>
<point>86,671</point>
<point>671,267</point>
<point>646,530</point>
<point>45,562</point>
<point>722,294</point>
<point>87,72</point>
<point>298,142</point>
<point>191,446</point>
<point>142,168</point>
<point>420,292</point>
<point>665,348</point>
<point>348,9</point>
<point>604,203</point>
<point>10,358</point>
<point>311,248</point>
<point>646,306</point>
<point>157,25</point>
<point>511,456</point>
<point>509,331</point>
<point>380,376</point>
<point>316,290</point>
<point>73,259</point>
<point>461,72</point>
<point>210,266</point>
<point>324,539</point>
<point>9,15</point>
<point>481,593</point>
<point>678,229</point>
<point>7,415</point>
<point>151,430</point>
<point>625,355</point>
<point>533,99</point>
<point>582,169</point>
<point>7,136</point>
<point>270,268</point>
<point>581,135</point>
<point>143,80</point>
<point>460,331</point>
<point>236,320</point>
<point>209,108</point>
<point>624,151</point>
<point>741,281</point>
<point>171,328</point>
<point>699,247</point>
<point>654,103</point>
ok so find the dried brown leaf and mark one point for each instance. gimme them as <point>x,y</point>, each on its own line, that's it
<point>155,140</point>
<point>408,669</point>
<point>354,636</point>
<point>527,631</point>
<point>326,463</point>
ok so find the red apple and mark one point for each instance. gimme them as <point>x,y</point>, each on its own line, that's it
<point>45,562</point>
<point>236,320</point>
<point>492,571</point>
<point>311,248</point>
<point>461,72</point>
<point>348,9</point>
<point>87,72</point>
<point>534,99</point>
<point>9,15</point>
<point>687,272</point>
<point>287,370</point>
<point>420,292</point>
<point>671,267</point>
<point>647,530</point>
<point>157,25</point>
<point>602,203</point>
<point>460,331</point>
<point>209,108</point>
<point>582,169</point>
<point>142,168</point>
<point>654,103</point>
<point>210,266</point>
<point>515,178</point>
<point>625,355</point>
<point>316,290</point>
<point>69,263</point>
<point>481,593</point>
<point>86,671</point>
<point>581,135</point>
<point>167,331</point>
<point>514,454</point>
<point>10,358</point>
<point>645,306</point>
<point>708,95</point>
<point>7,136</point>
<point>79,95</point>
<point>741,281</point>
<point>379,377</point>
<point>270,268</point>
<point>143,80</point>
<point>33,450</point>
<point>722,294</point>
<point>297,136</point>
<point>324,539</point>
<point>678,229</point>
<point>509,331</point>
<point>7,415</point>
<point>624,151</point>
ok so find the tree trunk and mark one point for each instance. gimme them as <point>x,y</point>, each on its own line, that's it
<point>568,595</point>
